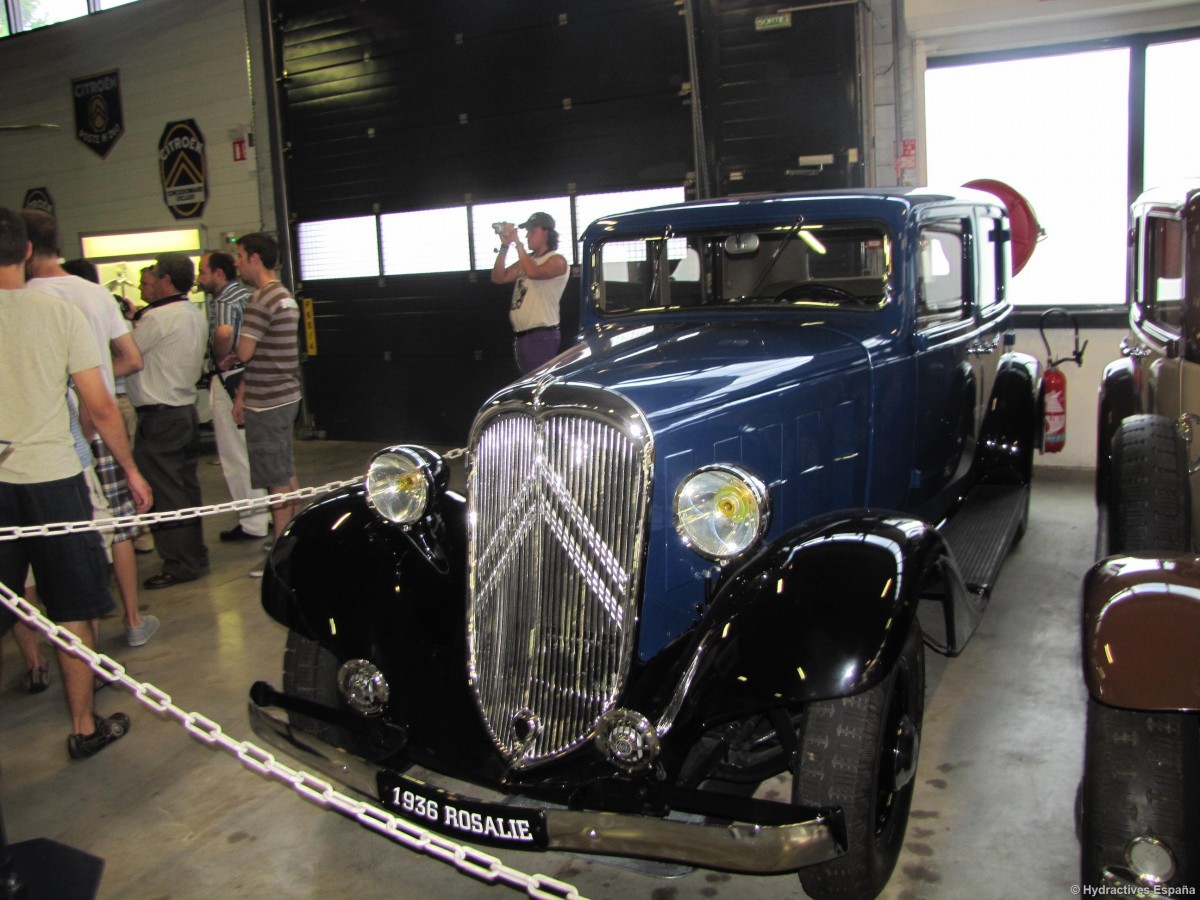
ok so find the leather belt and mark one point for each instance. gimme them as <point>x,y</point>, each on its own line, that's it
<point>522,334</point>
<point>155,407</point>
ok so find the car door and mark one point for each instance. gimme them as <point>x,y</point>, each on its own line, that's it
<point>947,391</point>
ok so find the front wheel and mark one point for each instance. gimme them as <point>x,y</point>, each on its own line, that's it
<point>1150,500</point>
<point>860,753</point>
<point>1141,797</point>
<point>310,672</point>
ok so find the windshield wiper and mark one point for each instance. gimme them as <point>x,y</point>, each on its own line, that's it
<point>656,277</point>
<point>787,239</point>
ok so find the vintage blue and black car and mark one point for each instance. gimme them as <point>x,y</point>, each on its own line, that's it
<point>692,550</point>
<point>1140,797</point>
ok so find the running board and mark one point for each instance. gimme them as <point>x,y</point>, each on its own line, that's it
<point>983,530</point>
<point>979,536</point>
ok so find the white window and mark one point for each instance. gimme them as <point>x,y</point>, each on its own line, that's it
<point>429,240</point>
<point>590,207</point>
<point>338,248</point>
<point>1172,127</point>
<point>1055,128</point>
<point>517,211</point>
<point>36,13</point>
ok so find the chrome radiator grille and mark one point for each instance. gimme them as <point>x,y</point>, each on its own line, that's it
<point>558,504</point>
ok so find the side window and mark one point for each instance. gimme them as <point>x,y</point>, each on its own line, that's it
<point>941,274</point>
<point>1162,269</point>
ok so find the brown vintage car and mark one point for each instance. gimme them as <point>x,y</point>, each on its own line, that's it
<point>1140,799</point>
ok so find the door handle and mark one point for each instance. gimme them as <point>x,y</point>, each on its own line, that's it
<point>979,347</point>
<point>1135,352</point>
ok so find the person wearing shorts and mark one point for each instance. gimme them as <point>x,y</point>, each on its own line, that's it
<point>268,398</point>
<point>115,489</point>
<point>119,356</point>
<point>44,341</point>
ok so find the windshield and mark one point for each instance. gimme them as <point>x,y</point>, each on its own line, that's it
<point>803,265</point>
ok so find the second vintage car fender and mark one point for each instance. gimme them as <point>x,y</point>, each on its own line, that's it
<point>822,613</point>
<point>1140,616</point>
<point>1120,398</point>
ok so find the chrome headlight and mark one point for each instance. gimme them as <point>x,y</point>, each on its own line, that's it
<point>721,511</point>
<point>402,483</point>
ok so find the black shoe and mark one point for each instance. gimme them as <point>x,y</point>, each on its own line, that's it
<point>36,679</point>
<point>115,727</point>
<point>164,579</point>
<point>236,534</point>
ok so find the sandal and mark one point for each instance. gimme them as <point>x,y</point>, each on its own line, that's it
<point>36,679</point>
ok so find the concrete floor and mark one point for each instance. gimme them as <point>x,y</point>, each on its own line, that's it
<point>992,814</point>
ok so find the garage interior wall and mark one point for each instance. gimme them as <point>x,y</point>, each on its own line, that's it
<point>412,358</point>
<point>175,63</point>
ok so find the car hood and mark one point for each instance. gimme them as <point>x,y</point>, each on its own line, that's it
<point>676,370</point>
<point>789,401</point>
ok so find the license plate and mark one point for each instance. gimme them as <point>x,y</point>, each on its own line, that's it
<point>479,822</point>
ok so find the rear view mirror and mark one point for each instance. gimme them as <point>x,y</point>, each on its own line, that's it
<point>741,244</point>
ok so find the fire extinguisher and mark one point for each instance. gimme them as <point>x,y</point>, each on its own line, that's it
<point>1054,387</point>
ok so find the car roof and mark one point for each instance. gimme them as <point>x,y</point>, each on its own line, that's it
<point>892,205</point>
<point>1175,194</point>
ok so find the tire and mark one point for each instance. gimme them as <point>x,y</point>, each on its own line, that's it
<point>1141,777</point>
<point>1150,505</point>
<point>845,750</point>
<point>310,672</point>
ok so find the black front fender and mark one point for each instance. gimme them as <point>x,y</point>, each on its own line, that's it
<point>1012,426</point>
<point>367,589</point>
<point>822,613</point>
<point>339,571</point>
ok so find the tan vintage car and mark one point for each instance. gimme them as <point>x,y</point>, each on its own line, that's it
<point>1140,799</point>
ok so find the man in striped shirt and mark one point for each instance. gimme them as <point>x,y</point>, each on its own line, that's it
<point>269,395</point>
<point>226,308</point>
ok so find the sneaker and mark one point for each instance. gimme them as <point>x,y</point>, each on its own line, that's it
<point>255,573</point>
<point>36,679</point>
<point>115,727</point>
<point>139,634</point>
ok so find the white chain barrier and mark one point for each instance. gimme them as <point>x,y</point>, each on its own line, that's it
<point>12,533</point>
<point>470,861</point>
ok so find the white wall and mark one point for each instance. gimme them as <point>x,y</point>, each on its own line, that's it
<point>177,60</point>
<point>1083,385</point>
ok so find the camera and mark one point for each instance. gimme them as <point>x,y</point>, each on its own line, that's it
<point>500,226</point>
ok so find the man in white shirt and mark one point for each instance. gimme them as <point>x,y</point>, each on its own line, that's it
<point>538,278</point>
<point>173,337</point>
<point>119,356</point>
<point>43,341</point>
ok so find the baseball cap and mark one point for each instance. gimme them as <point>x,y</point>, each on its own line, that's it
<point>539,220</point>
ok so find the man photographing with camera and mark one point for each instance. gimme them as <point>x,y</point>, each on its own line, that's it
<point>540,274</point>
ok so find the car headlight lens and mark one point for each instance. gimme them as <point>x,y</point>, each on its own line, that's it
<point>400,483</point>
<point>721,511</point>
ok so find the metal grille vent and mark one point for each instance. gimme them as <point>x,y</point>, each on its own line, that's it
<point>558,502</point>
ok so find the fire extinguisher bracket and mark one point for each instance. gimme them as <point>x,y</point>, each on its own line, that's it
<point>1054,386</point>
<point>1077,355</point>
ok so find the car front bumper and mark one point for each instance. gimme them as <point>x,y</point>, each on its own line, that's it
<point>731,846</point>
